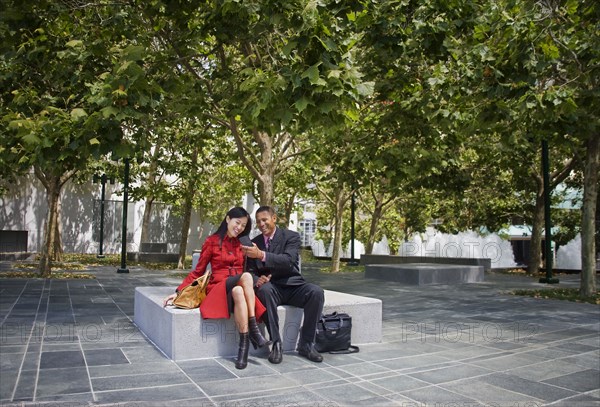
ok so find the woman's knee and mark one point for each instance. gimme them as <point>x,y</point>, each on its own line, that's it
<point>237,293</point>
<point>246,280</point>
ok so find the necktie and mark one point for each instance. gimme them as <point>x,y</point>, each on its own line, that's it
<point>268,244</point>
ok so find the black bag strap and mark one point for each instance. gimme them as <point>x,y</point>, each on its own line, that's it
<point>351,349</point>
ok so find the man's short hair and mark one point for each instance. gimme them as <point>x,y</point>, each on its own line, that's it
<point>266,208</point>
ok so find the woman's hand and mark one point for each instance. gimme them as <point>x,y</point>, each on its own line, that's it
<point>169,300</point>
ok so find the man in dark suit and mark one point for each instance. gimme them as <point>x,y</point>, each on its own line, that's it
<point>275,259</point>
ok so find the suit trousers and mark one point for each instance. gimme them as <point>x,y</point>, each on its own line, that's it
<point>308,296</point>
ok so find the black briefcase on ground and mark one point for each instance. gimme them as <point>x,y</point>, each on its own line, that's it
<point>334,332</point>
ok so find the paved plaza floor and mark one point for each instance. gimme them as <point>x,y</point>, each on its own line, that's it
<point>73,343</point>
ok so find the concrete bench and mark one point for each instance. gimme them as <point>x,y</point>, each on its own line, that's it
<point>153,247</point>
<point>422,274</point>
<point>154,253</point>
<point>182,334</point>
<point>392,259</point>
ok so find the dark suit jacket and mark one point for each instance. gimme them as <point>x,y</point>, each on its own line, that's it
<point>283,261</point>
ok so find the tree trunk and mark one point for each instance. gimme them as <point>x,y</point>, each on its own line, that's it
<point>535,248</point>
<point>146,220</point>
<point>287,210</point>
<point>187,214</point>
<point>588,221</point>
<point>337,232</point>
<point>340,202</point>
<point>263,165</point>
<point>266,185</point>
<point>58,246</point>
<point>151,180</point>
<point>53,187</point>
<point>185,227</point>
<point>375,217</point>
<point>201,216</point>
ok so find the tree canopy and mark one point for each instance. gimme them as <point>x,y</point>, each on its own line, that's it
<point>422,109</point>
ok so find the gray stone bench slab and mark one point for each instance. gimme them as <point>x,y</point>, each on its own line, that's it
<point>183,334</point>
<point>425,273</point>
<point>393,259</point>
<point>137,257</point>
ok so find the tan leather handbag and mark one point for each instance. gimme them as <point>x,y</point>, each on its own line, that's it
<point>192,296</point>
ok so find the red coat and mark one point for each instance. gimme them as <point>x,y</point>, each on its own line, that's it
<point>225,261</point>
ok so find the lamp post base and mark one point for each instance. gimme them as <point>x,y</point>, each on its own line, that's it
<point>120,270</point>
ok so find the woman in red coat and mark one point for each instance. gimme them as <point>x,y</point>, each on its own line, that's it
<point>230,289</point>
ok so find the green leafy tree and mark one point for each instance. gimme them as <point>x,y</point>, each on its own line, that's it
<point>532,69</point>
<point>203,173</point>
<point>409,138</point>
<point>336,195</point>
<point>269,70</point>
<point>70,78</point>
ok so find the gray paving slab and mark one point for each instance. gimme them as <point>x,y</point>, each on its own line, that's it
<point>543,391</point>
<point>25,387</point>
<point>62,359</point>
<point>73,342</point>
<point>137,381</point>
<point>58,381</point>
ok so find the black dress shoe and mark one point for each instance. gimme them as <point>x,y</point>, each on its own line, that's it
<point>276,355</point>
<point>309,352</point>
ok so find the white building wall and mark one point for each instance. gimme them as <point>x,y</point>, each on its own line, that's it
<point>24,208</point>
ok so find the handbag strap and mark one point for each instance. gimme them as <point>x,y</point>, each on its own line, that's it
<point>351,349</point>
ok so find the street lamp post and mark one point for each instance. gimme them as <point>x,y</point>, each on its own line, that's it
<point>352,261</point>
<point>102,178</point>
<point>103,182</point>
<point>123,268</point>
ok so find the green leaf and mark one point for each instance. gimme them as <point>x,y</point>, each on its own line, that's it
<point>94,141</point>
<point>365,88</point>
<point>571,6</point>
<point>352,115</point>
<point>31,138</point>
<point>78,113</point>
<point>134,53</point>
<point>326,107</point>
<point>550,50</point>
<point>302,103</point>
<point>24,159</point>
<point>74,43</point>
<point>312,73</point>
<point>109,111</point>
<point>334,73</point>
<point>289,47</point>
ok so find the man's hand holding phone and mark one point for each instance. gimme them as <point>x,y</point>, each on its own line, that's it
<point>250,248</point>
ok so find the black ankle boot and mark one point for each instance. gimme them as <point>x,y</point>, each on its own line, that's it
<point>242,359</point>
<point>258,341</point>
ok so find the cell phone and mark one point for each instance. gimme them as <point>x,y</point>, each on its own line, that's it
<point>245,241</point>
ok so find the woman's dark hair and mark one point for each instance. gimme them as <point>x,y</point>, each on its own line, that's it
<point>234,213</point>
